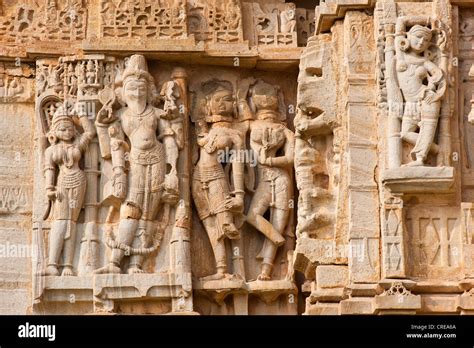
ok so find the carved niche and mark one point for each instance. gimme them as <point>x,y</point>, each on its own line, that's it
<point>243,195</point>
<point>114,199</point>
<point>415,56</point>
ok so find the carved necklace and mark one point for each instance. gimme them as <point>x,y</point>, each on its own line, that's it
<point>140,116</point>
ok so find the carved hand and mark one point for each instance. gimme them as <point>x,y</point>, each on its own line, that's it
<point>302,125</point>
<point>430,97</point>
<point>235,204</point>
<point>51,194</point>
<point>120,183</point>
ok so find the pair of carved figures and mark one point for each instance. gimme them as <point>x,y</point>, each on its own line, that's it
<point>219,200</point>
<point>422,82</point>
<point>142,185</point>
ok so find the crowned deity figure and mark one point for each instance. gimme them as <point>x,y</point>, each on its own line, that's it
<point>65,186</point>
<point>141,135</point>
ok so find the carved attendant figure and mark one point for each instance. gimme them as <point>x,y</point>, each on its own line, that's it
<point>288,18</point>
<point>423,85</point>
<point>66,190</point>
<point>274,145</point>
<point>215,204</point>
<point>152,175</point>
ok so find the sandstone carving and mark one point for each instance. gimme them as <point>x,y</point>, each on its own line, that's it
<point>273,145</point>
<point>147,185</point>
<point>216,204</point>
<point>65,186</point>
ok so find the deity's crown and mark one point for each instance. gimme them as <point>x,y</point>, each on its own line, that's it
<point>419,28</point>
<point>62,113</point>
<point>137,67</point>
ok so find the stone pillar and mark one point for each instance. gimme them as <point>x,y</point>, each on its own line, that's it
<point>364,226</point>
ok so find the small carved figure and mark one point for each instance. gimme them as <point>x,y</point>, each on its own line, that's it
<point>423,85</point>
<point>211,190</point>
<point>288,18</point>
<point>71,80</point>
<point>273,144</point>
<point>310,124</point>
<point>90,72</point>
<point>65,186</point>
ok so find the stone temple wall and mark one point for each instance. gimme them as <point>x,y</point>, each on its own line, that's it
<point>236,157</point>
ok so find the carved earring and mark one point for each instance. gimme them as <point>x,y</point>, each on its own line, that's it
<point>52,138</point>
<point>404,44</point>
<point>428,54</point>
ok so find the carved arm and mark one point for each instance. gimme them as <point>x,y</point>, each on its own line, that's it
<point>50,173</point>
<point>288,158</point>
<point>89,133</point>
<point>404,21</point>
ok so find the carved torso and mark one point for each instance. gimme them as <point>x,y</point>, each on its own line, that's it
<point>411,75</point>
<point>268,134</point>
<point>141,129</point>
<point>66,157</point>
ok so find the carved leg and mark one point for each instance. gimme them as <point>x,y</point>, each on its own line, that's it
<point>56,241</point>
<point>218,247</point>
<point>258,207</point>
<point>146,230</point>
<point>425,140</point>
<point>279,220</point>
<point>69,244</point>
<point>409,135</point>
<point>126,233</point>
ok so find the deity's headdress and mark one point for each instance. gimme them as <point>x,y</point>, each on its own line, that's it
<point>137,67</point>
<point>62,114</point>
<point>210,88</point>
<point>424,30</point>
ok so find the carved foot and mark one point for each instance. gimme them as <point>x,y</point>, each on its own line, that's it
<point>263,276</point>
<point>110,268</point>
<point>135,270</point>
<point>171,193</point>
<point>231,231</point>
<point>68,272</point>
<point>266,273</point>
<point>417,163</point>
<point>51,271</point>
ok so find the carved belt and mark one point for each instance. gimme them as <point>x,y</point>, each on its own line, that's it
<point>147,157</point>
<point>208,174</point>
<point>71,180</point>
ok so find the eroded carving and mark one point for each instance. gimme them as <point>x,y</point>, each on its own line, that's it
<point>217,204</point>
<point>273,145</point>
<point>65,186</point>
<point>151,180</point>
